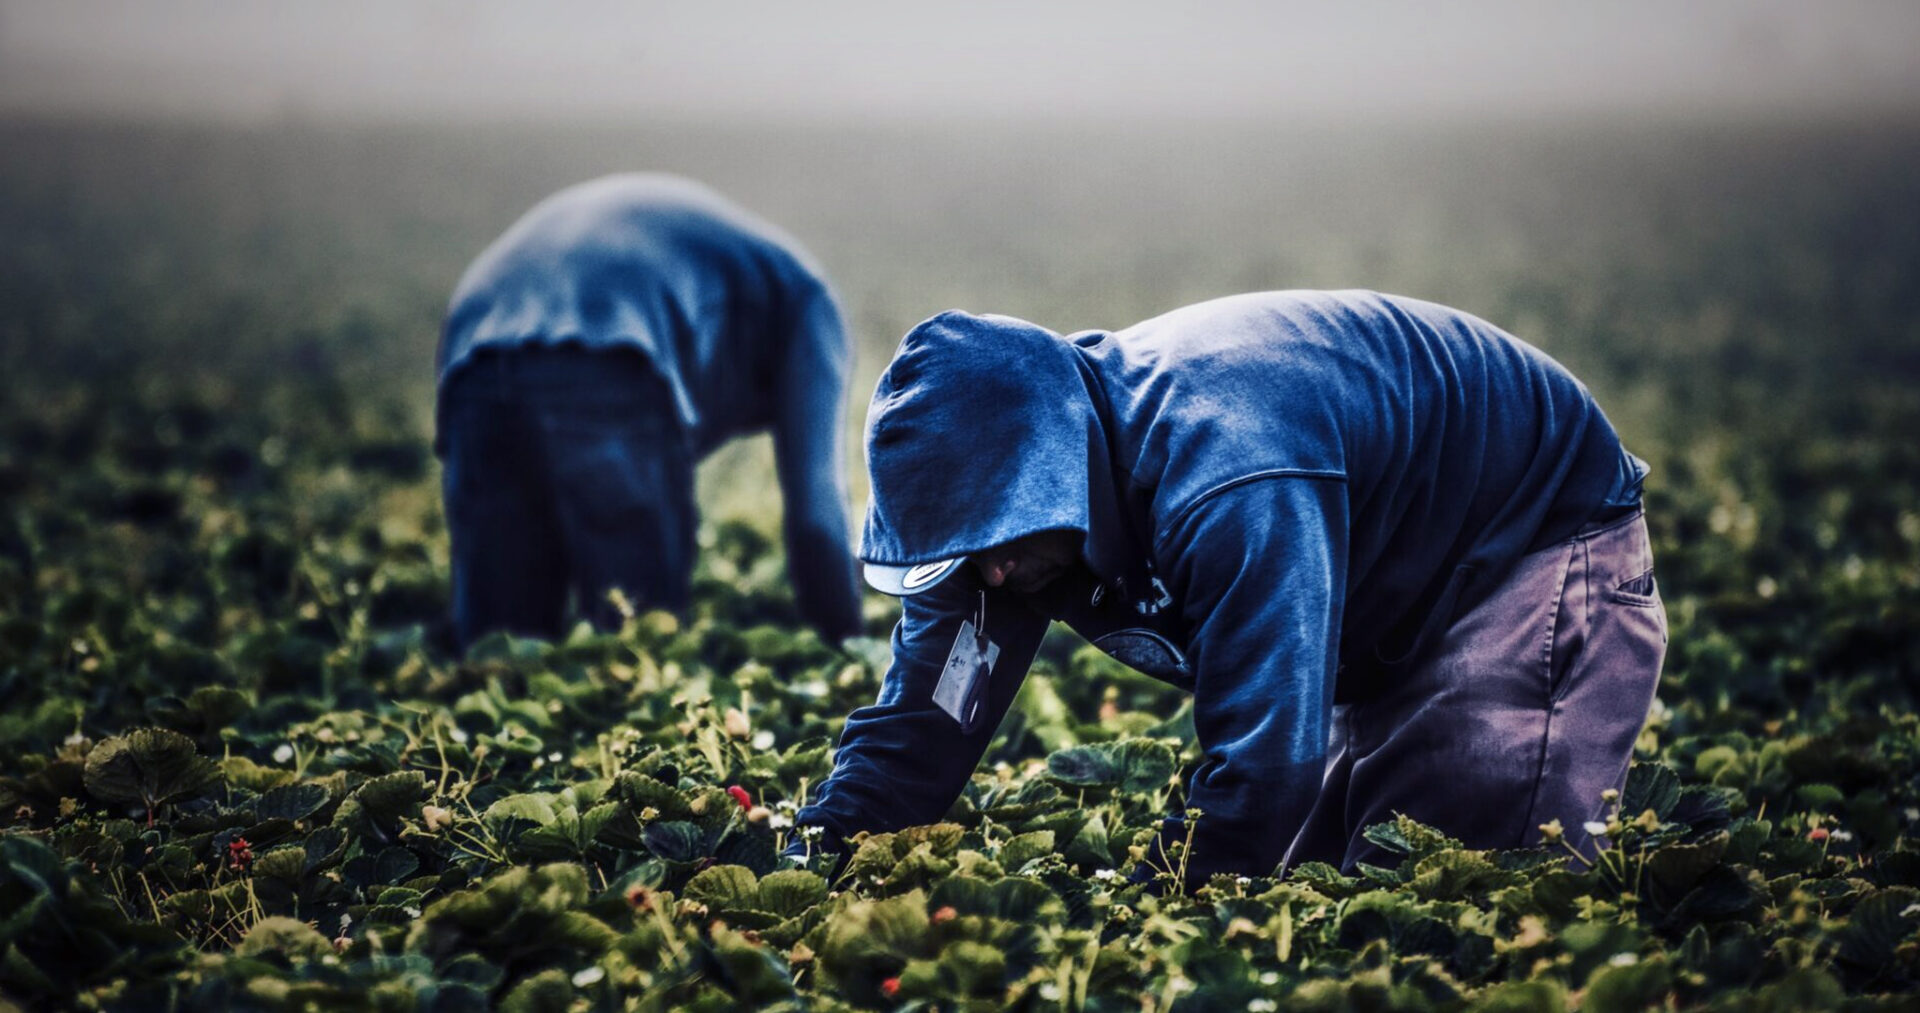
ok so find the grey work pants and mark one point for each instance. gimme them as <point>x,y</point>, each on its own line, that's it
<point>1526,711</point>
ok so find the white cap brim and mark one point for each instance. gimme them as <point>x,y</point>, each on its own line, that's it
<point>902,581</point>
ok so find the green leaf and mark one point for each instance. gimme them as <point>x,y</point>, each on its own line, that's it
<point>1089,846</point>
<point>289,936</point>
<point>535,808</point>
<point>293,802</point>
<point>1084,767</point>
<point>395,865</point>
<point>973,969</point>
<point>378,806</point>
<point>287,864</point>
<point>1458,875</point>
<point>943,838</point>
<point>751,975</point>
<point>808,758</point>
<point>581,931</point>
<point>1324,878</point>
<point>1408,836</point>
<point>1875,929</point>
<point>1387,915</point>
<point>1014,899</point>
<point>241,772</point>
<point>724,888</point>
<point>871,940</point>
<point>1541,995</point>
<point>1704,808</point>
<point>1819,797</point>
<point>920,867</point>
<point>873,858</point>
<point>472,969</point>
<point>1389,838</point>
<point>1802,989</point>
<point>791,892</point>
<point>522,914</point>
<point>1652,786</point>
<point>751,847</point>
<point>324,847</point>
<point>1559,892</point>
<point>546,992</point>
<point>1673,870</point>
<point>675,841</point>
<point>151,766</point>
<point>1025,848</point>
<point>640,791</point>
<point>594,820</point>
<point>1629,988</point>
<point>1145,765</point>
<point>1132,765</point>
<point>148,766</point>
<point>1721,894</point>
<point>203,713</point>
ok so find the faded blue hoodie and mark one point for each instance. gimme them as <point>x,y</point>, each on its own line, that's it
<point>734,315</point>
<point>1283,496</point>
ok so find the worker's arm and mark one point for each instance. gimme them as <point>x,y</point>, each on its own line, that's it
<point>903,761</point>
<point>1260,572</point>
<point>808,447</point>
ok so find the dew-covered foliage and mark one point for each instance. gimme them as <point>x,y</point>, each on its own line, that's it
<point>240,766</point>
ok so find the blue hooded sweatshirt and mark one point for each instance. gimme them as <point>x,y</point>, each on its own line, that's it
<point>1282,497</point>
<point>733,314</point>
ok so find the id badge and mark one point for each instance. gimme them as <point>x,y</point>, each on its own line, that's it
<point>963,683</point>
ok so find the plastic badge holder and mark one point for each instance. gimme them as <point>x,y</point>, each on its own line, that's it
<point>964,680</point>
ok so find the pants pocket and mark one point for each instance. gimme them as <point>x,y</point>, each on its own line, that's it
<point>1572,612</point>
<point>1623,564</point>
<point>1639,592</point>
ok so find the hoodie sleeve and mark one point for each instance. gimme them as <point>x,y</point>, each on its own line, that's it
<point>903,761</point>
<point>1261,571</point>
<point>808,447</point>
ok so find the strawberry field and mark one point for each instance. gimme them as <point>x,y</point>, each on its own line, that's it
<point>241,767</point>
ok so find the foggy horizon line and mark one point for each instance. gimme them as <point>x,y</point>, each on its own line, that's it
<point>1592,115</point>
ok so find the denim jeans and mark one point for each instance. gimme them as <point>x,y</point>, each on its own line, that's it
<point>1526,711</point>
<point>566,473</point>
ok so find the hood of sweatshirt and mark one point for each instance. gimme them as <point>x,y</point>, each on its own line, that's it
<point>984,429</point>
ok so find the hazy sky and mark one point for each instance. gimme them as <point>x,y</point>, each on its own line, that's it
<point>837,58</point>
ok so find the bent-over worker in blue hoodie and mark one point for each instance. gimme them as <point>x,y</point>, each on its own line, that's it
<point>613,336</point>
<point>1395,553</point>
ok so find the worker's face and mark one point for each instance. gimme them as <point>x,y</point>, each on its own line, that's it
<point>1029,563</point>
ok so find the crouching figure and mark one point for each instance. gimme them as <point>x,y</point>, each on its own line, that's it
<point>1396,555</point>
<point>593,354</point>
